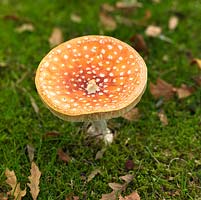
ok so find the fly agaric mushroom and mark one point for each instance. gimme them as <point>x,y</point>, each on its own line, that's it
<point>91,78</point>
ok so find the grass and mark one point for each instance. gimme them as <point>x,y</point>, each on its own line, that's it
<point>166,158</point>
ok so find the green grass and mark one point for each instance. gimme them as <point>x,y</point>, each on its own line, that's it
<point>166,158</point>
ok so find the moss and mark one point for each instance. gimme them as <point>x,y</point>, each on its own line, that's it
<point>165,157</point>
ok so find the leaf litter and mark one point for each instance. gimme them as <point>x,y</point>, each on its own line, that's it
<point>173,22</point>
<point>167,90</point>
<point>11,180</point>
<point>34,179</point>
<point>16,190</point>
<point>117,188</point>
<point>63,156</point>
<point>56,37</point>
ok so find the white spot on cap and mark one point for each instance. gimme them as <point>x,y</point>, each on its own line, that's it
<point>102,75</point>
<point>105,80</point>
<point>55,59</point>
<point>46,64</point>
<point>109,46</point>
<point>68,46</point>
<point>103,51</point>
<point>65,56</point>
<point>120,47</point>
<point>111,74</point>
<point>129,71</point>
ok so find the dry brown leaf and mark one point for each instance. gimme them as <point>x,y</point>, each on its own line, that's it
<point>75,18</point>
<point>132,115</point>
<point>184,91</point>
<point>93,174</point>
<point>25,27</point>
<point>197,80</point>
<point>139,43</point>
<point>30,151</point>
<point>51,134</point>
<point>107,7</point>
<point>117,187</point>
<point>56,37</point>
<point>107,21</point>
<point>196,61</point>
<point>132,196</point>
<point>127,178</point>
<point>163,118</point>
<point>34,179</point>
<point>153,31</point>
<point>63,156</point>
<point>3,196</point>
<point>128,4</point>
<point>109,196</point>
<point>162,89</point>
<point>100,153</point>
<point>12,181</point>
<point>173,22</point>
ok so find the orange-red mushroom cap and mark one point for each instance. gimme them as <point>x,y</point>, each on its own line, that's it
<point>91,78</point>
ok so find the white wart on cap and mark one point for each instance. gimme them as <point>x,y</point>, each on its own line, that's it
<point>91,78</point>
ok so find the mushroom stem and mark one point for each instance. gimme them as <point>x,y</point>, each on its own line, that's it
<point>99,128</point>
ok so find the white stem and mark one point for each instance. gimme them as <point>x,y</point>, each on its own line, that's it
<point>99,128</point>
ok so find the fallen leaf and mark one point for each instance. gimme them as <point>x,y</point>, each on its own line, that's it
<point>128,4</point>
<point>197,80</point>
<point>56,37</point>
<point>153,31</point>
<point>34,179</point>
<point>25,27</point>
<point>3,196</point>
<point>93,174</point>
<point>63,156</point>
<point>11,17</point>
<point>109,196</point>
<point>12,182</point>
<point>132,196</point>
<point>52,134</point>
<point>75,18</point>
<point>162,89</point>
<point>107,21</point>
<point>100,154</point>
<point>30,151</point>
<point>184,91</point>
<point>163,118</point>
<point>117,187</point>
<point>132,115</point>
<point>107,7</point>
<point>173,22</point>
<point>129,165</point>
<point>196,61</point>
<point>139,44</point>
<point>127,178</point>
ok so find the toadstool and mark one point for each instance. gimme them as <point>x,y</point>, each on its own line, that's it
<point>91,78</point>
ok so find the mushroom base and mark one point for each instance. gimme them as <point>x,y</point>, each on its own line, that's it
<point>99,129</point>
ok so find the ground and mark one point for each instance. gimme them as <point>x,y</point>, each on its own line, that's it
<point>165,159</point>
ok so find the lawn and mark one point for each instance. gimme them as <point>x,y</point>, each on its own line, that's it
<point>164,158</point>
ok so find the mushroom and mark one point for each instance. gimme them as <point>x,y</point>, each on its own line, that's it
<point>91,78</point>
